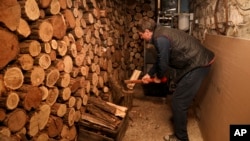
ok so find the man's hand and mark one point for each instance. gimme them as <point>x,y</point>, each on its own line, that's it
<point>146,79</point>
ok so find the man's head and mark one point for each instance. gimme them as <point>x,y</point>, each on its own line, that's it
<point>145,28</point>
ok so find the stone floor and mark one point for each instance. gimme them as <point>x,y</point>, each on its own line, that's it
<point>149,119</point>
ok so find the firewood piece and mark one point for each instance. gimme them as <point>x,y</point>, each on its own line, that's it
<point>78,103</point>
<point>10,102</point>
<point>16,120</point>
<point>59,26</point>
<point>69,117</point>
<point>38,120</point>
<point>94,110</point>
<point>88,17</point>
<point>41,137</point>
<point>9,47</point>
<point>61,48</point>
<point>2,114</point>
<point>30,10</point>
<point>68,133</point>
<point>44,3</point>
<point>54,126</point>
<point>102,104</point>
<point>54,8</point>
<point>63,80</point>
<point>96,120</point>
<point>69,18</point>
<point>45,92</point>
<point>59,109</point>
<point>23,28</point>
<point>72,50</point>
<point>68,63</point>
<point>78,32</point>
<point>13,78</point>
<point>53,95</point>
<point>41,30</point>
<point>35,77</point>
<point>26,61</point>
<point>58,63</point>
<point>71,102</point>
<point>52,75</point>
<point>10,14</point>
<point>32,47</point>
<point>64,94</point>
<point>32,98</point>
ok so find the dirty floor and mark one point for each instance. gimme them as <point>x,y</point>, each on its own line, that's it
<point>149,119</point>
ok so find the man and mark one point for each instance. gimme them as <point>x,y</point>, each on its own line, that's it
<point>190,60</point>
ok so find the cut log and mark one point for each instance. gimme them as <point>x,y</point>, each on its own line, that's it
<point>45,92</point>
<point>64,94</point>
<point>59,109</point>
<point>23,28</point>
<point>68,133</point>
<point>31,97</point>
<point>63,80</point>
<point>38,120</point>
<point>54,8</point>
<point>46,48</point>
<point>78,103</point>
<point>41,137</point>
<point>9,47</point>
<point>44,3</point>
<point>54,126</point>
<point>53,95</point>
<point>69,117</point>
<point>59,26</point>
<point>26,61</point>
<point>10,102</point>
<point>13,78</point>
<point>52,75</point>
<point>2,114</point>
<point>35,77</point>
<point>69,18</point>
<point>32,47</point>
<point>10,14</point>
<point>43,60</point>
<point>71,102</point>
<point>61,48</point>
<point>16,120</point>
<point>68,63</point>
<point>41,30</point>
<point>30,9</point>
<point>58,63</point>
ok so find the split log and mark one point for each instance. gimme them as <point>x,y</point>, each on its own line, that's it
<point>68,63</point>
<point>53,95</point>
<point>35,77</point>
<point>63,80</point>
<point>31,97</point>
<point>58,109</point>
<point>10,101</point>
<point>23,28</point>
<point>68,133</point>
<point>54,126</point>
<point>26,61</point>
<point>10,14</point>
<point>9,47</point>
<point>13,78</point>
<point>38,120</point>
<point>54,8</point>
<point>30,9</point>
<point>59,26</point>
<point>16,120</point>
<point>69,117</point>
<point>41,30</point>
<point>52,75</point>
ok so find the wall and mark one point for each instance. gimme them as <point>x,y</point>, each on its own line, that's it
<point>224,97</point>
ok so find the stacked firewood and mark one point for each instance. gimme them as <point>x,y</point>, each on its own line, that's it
<point>55,55</point>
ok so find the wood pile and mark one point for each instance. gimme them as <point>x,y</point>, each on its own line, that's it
<point>54,56</point>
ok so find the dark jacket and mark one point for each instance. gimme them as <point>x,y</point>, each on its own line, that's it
<point>186,52</point>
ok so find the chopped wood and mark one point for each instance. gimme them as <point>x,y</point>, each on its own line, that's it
<point>54,126</point>
<point>53,95</point>
<point>41,30</point>
<point>44,91</point>
<point>16,120</point>
<point>59,26</point>
<point>59,109</point>
<point>13,78</point>
<point>54,8</point>
<point>10,102</point>
<point>9,47</point>
<point>52,75</point>
<point>35,77</point>
<point>30,9</point>
<point>69,117</point>
<point>10,14</point>
<point>63,80</point>
<point>23,28</point>
<point>68,63</point>
<point>26,61</point>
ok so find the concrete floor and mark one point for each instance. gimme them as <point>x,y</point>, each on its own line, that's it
<point>149,119</point>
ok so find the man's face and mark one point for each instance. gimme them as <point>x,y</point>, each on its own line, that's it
<point>146,35</point>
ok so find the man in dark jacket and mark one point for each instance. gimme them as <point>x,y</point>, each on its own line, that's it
<point>190,60</point>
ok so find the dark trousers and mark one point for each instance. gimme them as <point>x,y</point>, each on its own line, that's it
<point>182,98</point>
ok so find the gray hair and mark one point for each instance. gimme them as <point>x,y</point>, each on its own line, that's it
<point>146,23</point>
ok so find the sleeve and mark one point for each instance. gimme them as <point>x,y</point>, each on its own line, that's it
<point>162,45</point>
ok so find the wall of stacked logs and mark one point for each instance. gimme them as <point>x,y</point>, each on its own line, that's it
<point>56,54</point>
